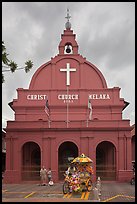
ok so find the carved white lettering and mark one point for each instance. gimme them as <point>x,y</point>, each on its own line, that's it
<point>36,97</point>
<point>68,98</point>
<point>108,97</point>
<point>59,96</point>
<point>99,96</point>
<point>94,96</point>
<point>28,97</point>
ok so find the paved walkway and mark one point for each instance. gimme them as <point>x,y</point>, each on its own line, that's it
<point>110,192</point>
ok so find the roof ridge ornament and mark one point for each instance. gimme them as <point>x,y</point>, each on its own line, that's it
<point>68,24</point>
<point>68,16</point>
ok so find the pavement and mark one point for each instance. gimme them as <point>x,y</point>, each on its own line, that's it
<point>110,192</point>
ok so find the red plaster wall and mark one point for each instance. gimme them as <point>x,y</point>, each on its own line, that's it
<point>31,122</point>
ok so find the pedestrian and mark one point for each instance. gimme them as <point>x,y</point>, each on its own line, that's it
<point>98,185</point>
<point>43,175</point>
<point>96,194</point>
<point>67,171</point>
<point>51,183</point>
<point>49,173</point>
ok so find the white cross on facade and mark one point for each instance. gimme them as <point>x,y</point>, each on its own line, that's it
<point>68,70</point>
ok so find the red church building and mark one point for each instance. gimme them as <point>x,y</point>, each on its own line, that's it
<point>82,115</point>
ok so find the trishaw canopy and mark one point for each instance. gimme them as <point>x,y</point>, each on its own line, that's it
<point>82,159</point>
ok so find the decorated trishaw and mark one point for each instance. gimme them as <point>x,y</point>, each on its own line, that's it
<point>78,177</point>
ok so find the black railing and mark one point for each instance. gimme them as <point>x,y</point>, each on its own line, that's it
<point>30,173</point>
<point>106,172</point>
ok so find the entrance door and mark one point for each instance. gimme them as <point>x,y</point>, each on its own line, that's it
<point>67,152</point>
<point>106,161</point>
<point>31,161</point>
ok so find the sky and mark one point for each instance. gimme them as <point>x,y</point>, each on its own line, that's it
<point>105,33</point>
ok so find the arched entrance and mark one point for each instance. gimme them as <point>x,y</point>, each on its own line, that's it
<point>106,161</point>
<point>31,161</point>
<point>66,153</point>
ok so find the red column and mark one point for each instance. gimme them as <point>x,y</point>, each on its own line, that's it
<point>124,160</point>
<point>16,157</point>
<point>45,158</point>
<point>92,155</point>
<point>121,156</point>
<point>129,153</point>
<point>54,158</point>
<point>8,150</point>
<point>12,173</point>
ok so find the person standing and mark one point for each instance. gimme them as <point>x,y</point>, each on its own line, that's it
<point>43,175</point>
<point>51,183</point>
<point>49,173</point>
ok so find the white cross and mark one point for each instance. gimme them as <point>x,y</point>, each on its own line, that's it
<point>68,70</point>
<point>68,16</point>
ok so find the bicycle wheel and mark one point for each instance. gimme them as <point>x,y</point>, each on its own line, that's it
<point>65,187</point>
<point>89,185</point>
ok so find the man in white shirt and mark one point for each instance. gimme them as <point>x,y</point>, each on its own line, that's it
<point>43,175</point>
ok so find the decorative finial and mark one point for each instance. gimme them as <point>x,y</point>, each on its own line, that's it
<point>68,16</point>
<point>68,24</point>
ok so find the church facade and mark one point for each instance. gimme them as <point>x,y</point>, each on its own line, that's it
<point>66,111</point>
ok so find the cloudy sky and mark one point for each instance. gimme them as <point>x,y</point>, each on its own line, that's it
<point>105,32</point>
